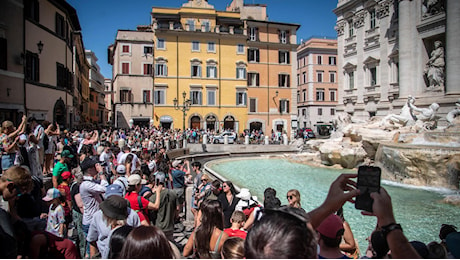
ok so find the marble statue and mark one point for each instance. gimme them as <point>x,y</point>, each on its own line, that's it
<point>434,70</point>
<point>452,115</point>
<point>405,118</point>
<point>432,7</point>
<point>426,117</point>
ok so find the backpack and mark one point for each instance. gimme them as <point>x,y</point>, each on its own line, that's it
<point>46,142</point>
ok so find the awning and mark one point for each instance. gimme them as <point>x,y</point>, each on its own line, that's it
<point>166,119</point>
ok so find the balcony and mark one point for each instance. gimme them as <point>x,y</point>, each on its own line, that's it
<point>350,95</point>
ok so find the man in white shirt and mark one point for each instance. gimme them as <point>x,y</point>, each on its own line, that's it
<point>121,179</point>
<point>121,158</point>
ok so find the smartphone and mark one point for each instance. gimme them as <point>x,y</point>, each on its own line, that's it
<point>368,182</point>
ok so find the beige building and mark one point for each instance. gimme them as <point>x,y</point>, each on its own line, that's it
<point>384,55</point>
<point>317,88</point>
<point>98,112</point>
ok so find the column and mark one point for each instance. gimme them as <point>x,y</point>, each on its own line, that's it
<point>405,49</point>
<point>452,48</point>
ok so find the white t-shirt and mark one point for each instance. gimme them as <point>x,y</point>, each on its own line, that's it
<point>123,159</point>
<point>55,219</point>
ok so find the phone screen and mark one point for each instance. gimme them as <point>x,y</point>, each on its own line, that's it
<point>368,182</point>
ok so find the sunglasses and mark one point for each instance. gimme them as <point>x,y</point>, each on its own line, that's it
<point>203,180</point>
<point>289,197</point>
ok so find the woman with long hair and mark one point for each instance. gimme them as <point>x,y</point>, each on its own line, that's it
<point>228,200</point>
<point>8,142</point>
<point>146,243</point>
<point>117,240</point>
<point>293,197</point>
<point>207,239</point>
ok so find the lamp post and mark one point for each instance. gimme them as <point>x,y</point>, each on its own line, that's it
<point>184,107</point>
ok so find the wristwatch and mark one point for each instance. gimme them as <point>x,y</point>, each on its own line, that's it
<point>390,227</point>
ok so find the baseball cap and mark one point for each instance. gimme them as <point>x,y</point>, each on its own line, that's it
<point>121,169</point>
<point>136,179</point>
<point>67,154</point>
<point>113,189</point>
<point>331,226</point>
<point>176,163</point>
<point>66,175</point>
<point>51,194</point>
<point>87,163</point>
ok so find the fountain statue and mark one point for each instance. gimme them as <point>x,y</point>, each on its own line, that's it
<point>434,71</point>
<point>453,117</point>
<point>406,117</point>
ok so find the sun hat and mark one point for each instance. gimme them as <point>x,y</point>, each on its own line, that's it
<point>331,226</point>
<point>115,207</point>
<point>66,175</point>
<point>244,194</point>
<point>87,163</point>
<point>121,169</point>
<point>51,194</point>
<point>67,154</point>
<point>113,189</point>
<point>135,179</point>
<point>176,163</point>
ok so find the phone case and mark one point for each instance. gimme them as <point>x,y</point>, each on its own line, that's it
<point>368,182</point>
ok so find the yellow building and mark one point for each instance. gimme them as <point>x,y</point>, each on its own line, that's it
<point>200,52</point>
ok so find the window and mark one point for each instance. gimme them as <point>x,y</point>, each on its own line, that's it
<point>320,111</point>
<point>61,75</point>
<point>284,37</point>
<point>319,76</point>
<point>211,47</point>
<point>253,34</point>
<point>240,49</point>
<point>148,69</point>
<point>252,105</point>
<point>148,50</point>
<point>125,67</point>
<point>332,60</point>
<point>372,21</point>
<point>320,94</point>
<point>298,79</point>
<point>253,79</point>
<point>240,73</point>
<point>351,80</point>
<point>298,96</point>
<point>241,97</point>
<point>191,24</point>
<point>125,49</point>
<point>205,26</point>
<point>211,71</point>
<point>304,76</point>
<point>332,94</point>
<point>373,76</point>
<point>211,94</point>
<point>350,28</point>
<point>125,95</point>
<point>161,69</point>
<point>161,44</point>
<point>304,112</point>
<point>284,106</point>
<point>146,96</point>
<point>332,76</point>
<point>283,80</point>
<point>319,59</point>
<point>60,26</point>
<point>196,70</point>
<point>253,55</point>
<point>195,97</point>
<point>31,10</point>
<point>195,46</point>
<point>283,57</point>
<point>32,67</point>
<point>159,97</point>
<point>3,54</point>
<point>304,94</point>
<point>332,112</point>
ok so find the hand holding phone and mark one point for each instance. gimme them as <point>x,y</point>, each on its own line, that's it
<point>368,182</point>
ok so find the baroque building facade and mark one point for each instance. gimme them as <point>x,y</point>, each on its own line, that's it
<point>386,50</point>
<point>317,88</point>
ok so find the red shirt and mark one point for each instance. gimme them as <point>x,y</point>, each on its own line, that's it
<point>65,190</point>
<point>133,201</point>
<point>236,233</point>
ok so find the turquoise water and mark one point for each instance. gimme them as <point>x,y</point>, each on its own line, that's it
<point>419,211</point>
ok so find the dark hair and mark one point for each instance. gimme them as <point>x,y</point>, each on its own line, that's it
<point>269,192</point>
<point>272,202</point>
<point>117,241</point>
<point>233,248</point>
<point>445,230</point>
<point>379,244</point>
<point>129,158</point>
<point>146,242</point>
<point>281,234</point>
<point>86,149</point>
<point>437,251</point>
<point>232,188</point>
<point>211,217</point>
<point>163,167</point>
<point>196,164</point>
<point>332,242</point>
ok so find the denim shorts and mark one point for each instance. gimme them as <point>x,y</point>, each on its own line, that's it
<point>8,160</point>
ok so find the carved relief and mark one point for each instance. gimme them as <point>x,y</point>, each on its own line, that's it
<point>432,7</point>
<point>358,19</point>
<point>383,9</point>
<point>340,28</point>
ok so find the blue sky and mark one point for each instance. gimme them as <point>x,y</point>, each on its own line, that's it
<point>100,19</point>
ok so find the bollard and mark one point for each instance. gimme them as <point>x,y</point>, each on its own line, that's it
<point>285,139</point>
<point>205,139</point>
<point>246,140</point>
<point>226,139</point>
<point>266,140</point>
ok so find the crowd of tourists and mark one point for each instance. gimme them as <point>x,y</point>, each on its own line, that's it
<point>106,193</point>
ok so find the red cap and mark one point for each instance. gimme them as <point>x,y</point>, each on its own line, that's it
<point>331,226</point>
<point>66,175</point>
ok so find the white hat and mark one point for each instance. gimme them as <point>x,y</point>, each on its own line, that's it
<point>121,169</point>
<point>176,163</point>
<point>135,179</point>
<point>244,194</point>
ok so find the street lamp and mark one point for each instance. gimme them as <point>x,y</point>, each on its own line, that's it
<point>184,107</point>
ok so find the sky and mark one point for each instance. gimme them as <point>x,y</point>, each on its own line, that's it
<point>101,19</point>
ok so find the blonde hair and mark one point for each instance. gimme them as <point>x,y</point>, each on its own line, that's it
<point>233,248</point>
<point>238,216</point>
<point>6,124</point>
<point>296,194</point>
<point>20,177</point>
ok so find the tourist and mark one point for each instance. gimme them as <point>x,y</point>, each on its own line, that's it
<point>247,203</point>
<point>233,248</point>
<point>204,190</point>
<point>330,235</point>
<point>216,190</point>
<point>166,213</point>
<point>196,167</point>
<point>178,181</point>
<point>45,245</point>
<point>114,212</point>
<point>117,240</point>
<point>51,132</point>
<point>56,216</point>
<point>228,200</point>
<point>238,219</point>
<point>130,162</point>
<point>77,210</point>
<point>453,245</point>
<point>270,202</point>
<point>436,250</point>
<point>207,239</point>
<point>38,133</point>
<point>8,141</point>
<point>120,178</point>
<point>444,231</point>
<point>60,167</point>
<point>139,203</point>
<point>348,244</point>
<point>293,197</point>
<point>66,199</point>
<point>146,242</point>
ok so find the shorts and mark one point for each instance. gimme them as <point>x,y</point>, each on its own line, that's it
<point>8,160</point>
<point>180,194</point>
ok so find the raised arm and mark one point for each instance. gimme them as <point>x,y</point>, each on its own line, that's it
<point>21,128</point>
